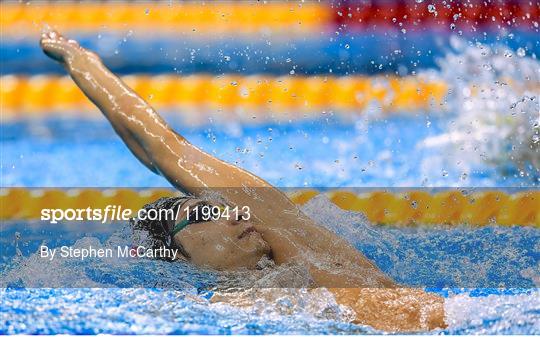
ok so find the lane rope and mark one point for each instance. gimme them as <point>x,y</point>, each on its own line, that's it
<point>451,16</point>
<point>257,17</point>
<point>214,17</point>
<point>257,95</point>
<point>407,208</point>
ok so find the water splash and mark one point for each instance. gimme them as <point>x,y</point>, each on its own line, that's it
<point>457,257</point>
<point>495,99</point>
<point>493,314</point>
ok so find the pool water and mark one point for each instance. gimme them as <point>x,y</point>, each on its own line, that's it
<point>493,297</point>
<point>325,152</point>
<point>485,293</point>
<point>489,276</point>
<point>496,297</point>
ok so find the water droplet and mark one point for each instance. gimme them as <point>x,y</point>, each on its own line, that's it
<point>444,173</point>
<point>521,52</point>
<point>347,46</point>
<point>147,11</point>
<point>419,1</point>
<point>431,8</point>
<point>452,26</point>
<point>17,238</point>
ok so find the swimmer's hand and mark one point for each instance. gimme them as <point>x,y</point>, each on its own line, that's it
<point>58,47</point>
<point>394,310</point>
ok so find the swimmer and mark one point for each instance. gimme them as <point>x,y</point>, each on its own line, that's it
<point>276,228</point>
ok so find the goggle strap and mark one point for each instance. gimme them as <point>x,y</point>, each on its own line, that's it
<point>181,225</point>
<point>184,223</point>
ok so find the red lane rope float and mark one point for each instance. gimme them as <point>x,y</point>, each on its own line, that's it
<point>409,208</point>
<point>459,15</point>
<point>255,17</point>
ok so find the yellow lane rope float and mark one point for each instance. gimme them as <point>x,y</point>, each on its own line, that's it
<point>291,95</point>
<point>212,17</point>
<point>407,208</point>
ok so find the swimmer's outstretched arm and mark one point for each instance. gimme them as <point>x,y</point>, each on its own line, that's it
<point>143,130</point>
<point>161,149</point>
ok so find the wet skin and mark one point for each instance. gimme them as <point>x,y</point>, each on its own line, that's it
<point>223,244</point>
<point>276,225</point>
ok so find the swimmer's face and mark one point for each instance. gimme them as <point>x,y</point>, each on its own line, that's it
<point>221,244</point>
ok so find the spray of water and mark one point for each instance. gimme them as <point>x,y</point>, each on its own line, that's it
<point>494,95</point>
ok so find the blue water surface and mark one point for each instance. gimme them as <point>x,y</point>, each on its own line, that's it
<point>496,298</point>
<point>326,152</point>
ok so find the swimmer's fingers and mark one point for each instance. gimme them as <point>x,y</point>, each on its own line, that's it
<point>434,312</point>
<point>57,46</point>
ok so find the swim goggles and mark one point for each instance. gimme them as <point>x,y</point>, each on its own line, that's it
<point>192,218</point>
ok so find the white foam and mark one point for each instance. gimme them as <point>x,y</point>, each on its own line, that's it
<point>494,96</point>
<point>505,312</point>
